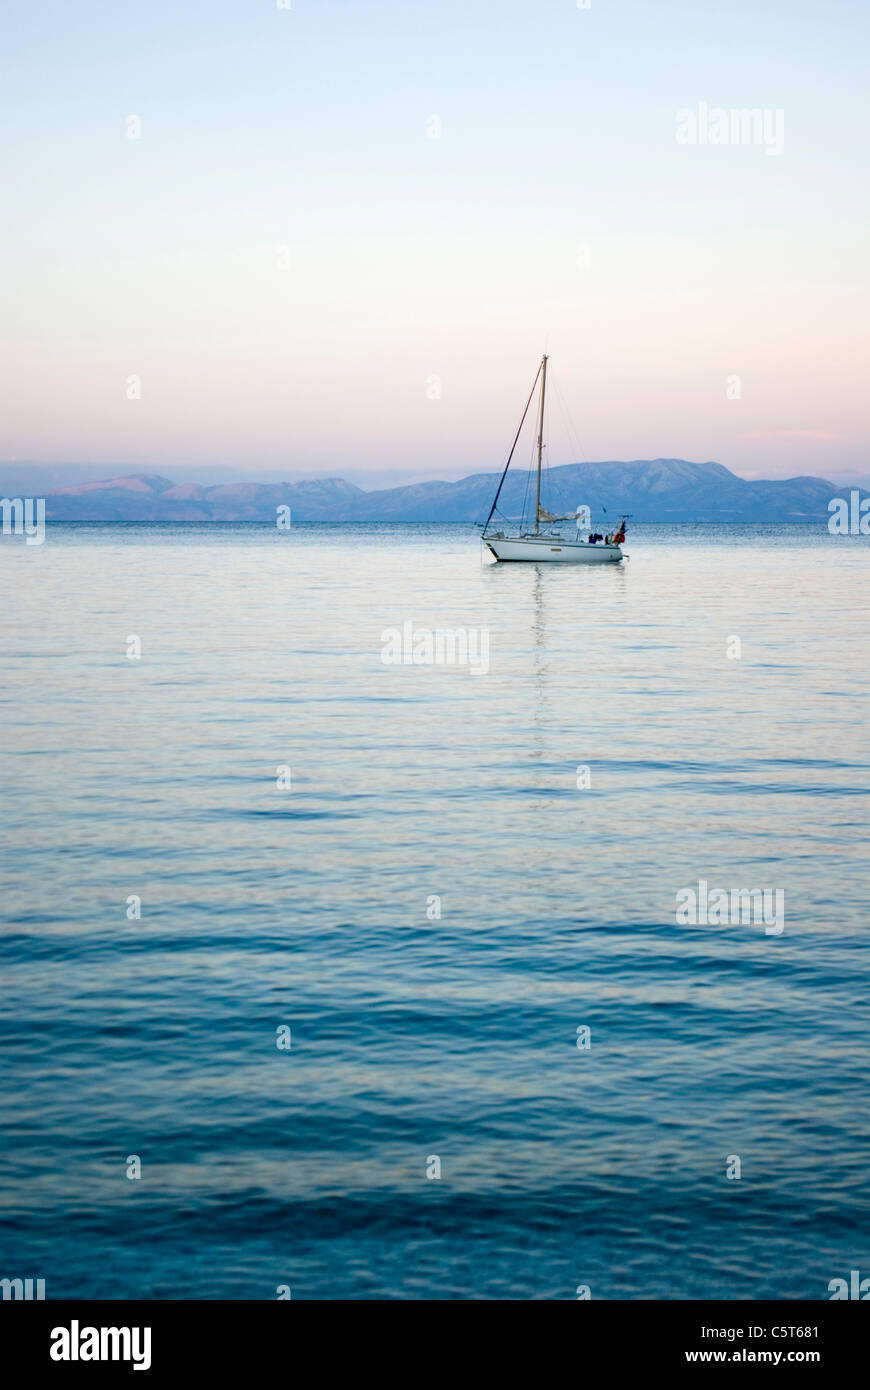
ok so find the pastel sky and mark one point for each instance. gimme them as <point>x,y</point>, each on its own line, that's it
<point>305,281</point>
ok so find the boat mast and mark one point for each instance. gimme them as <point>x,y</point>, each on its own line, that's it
<point>540,438</point>
<point>513,447</point>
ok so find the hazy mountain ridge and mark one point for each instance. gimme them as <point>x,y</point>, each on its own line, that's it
<point>652,490</point>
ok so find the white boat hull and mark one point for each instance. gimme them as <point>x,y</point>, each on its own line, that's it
<point>552,550</point>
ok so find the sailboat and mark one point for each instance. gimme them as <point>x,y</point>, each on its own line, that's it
<point>548,546</point>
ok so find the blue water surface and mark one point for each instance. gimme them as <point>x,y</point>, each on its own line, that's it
<point>415,1037</point>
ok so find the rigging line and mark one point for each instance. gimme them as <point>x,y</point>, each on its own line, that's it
<point>513,446</point>
<point>548,433</point>
<point>566,415</point>
<point>523,521</point>
<point>573,439</point>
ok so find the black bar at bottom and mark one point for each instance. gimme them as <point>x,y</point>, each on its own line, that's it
<point>231,1338</point>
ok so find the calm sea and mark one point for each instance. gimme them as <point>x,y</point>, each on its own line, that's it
<point>455,871</point>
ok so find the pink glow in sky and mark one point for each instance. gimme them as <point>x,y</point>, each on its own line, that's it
<point>305,274</point>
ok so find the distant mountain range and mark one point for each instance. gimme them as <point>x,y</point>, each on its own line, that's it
<point>652,490</point>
